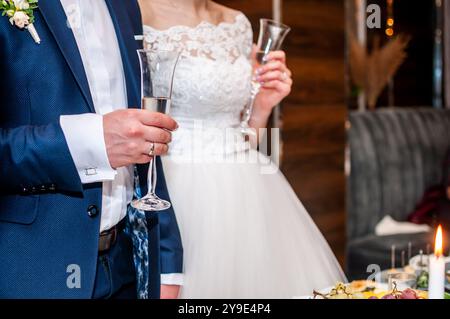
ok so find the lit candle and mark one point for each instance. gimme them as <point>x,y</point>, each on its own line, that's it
<point>436,282</point>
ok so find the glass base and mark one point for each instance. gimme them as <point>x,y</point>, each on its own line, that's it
<point>151,203</point>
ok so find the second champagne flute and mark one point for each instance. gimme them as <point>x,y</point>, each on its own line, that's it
<point>271,37</point>
<point>157,75</point>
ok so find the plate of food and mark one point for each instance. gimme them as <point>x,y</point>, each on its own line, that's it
<point>366,289</point>
<point>422,278</point>
<point>384,275</point>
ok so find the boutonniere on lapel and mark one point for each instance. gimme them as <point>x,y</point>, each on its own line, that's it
<point>21,14</point>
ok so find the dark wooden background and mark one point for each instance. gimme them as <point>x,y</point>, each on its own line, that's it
<point>314,115</point>
<point>414,80</point>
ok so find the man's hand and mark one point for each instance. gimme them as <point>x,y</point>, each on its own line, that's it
<point>129,135</point>
<point>169,292</point>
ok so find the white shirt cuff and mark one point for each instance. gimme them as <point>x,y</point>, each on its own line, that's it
<point>85,138</point>
<point>172,279</point>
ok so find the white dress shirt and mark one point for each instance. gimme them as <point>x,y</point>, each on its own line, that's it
<point>96,39</point>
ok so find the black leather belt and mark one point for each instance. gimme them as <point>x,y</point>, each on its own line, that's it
<point>109,237</point>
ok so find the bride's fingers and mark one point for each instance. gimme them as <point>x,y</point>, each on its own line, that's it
<point>289,73</point>
<point>277,55</point>
<point>254,51</point>
<point>272,66</point>
<point>273,75</point>
<point>282,87</point>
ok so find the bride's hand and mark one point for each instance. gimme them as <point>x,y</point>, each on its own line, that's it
<point>275,79</point>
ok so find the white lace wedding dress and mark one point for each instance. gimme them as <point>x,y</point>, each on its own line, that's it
<point>245,233</point>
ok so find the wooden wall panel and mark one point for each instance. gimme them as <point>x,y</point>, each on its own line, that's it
<point>254,9</point>
<point>313,162</point>
<point>314,114</point>
<point>316,50</point>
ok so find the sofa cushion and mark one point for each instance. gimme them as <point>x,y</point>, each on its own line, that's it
<point>395,155</point>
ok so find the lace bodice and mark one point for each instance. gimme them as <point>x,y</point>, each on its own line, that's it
<point>212,81</point>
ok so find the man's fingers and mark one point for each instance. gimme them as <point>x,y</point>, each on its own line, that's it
<point>143,159</point>
<point>130,134</point>
<point>157,119</point>
<point>156,135</point>
<point>158,149</point>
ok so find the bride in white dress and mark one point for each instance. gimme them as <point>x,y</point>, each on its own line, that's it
<point>245,233</point>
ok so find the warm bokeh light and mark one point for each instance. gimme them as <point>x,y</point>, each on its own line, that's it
<point>389,32</point>
<point>390,22</point>
<point>438,242</point>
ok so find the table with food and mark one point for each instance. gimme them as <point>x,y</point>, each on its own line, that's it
<point>424,276</point>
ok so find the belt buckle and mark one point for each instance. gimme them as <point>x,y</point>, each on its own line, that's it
<point>107,239</point>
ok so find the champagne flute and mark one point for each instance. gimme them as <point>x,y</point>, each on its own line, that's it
<point>157,75</point>
<point>271,37</point>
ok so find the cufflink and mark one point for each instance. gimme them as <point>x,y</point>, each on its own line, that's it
<point>90,171</point>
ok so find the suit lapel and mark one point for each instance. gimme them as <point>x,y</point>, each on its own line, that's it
<point>128,47</point>
<point>55,17</point>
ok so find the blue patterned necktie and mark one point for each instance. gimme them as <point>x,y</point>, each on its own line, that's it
<point>138,231</point>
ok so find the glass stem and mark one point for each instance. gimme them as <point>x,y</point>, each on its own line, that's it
<point>249,109</point>
<point>152,177</point>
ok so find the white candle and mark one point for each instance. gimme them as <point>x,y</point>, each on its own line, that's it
<point>436,281</point>
<point>276,6</point>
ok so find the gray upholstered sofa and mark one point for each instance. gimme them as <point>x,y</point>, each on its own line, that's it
<point>395,155</point>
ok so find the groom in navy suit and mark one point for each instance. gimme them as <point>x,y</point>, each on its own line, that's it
<point>70,135</point>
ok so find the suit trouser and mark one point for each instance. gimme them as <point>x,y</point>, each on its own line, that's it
<point>115,276</point>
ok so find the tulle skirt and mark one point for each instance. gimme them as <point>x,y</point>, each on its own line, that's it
<point>245,233</point>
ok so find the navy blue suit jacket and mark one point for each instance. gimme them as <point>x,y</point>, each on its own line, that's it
<point>47,216</point>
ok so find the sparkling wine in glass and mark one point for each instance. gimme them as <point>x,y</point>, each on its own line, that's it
<point>271,37</point>
<point>157,74</point>
<point>157,104</point>
<point>260,57</point>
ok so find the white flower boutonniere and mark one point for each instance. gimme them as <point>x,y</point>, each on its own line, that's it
<point>21,14</point>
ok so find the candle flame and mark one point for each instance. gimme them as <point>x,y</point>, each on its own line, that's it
<point>438,242</point>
